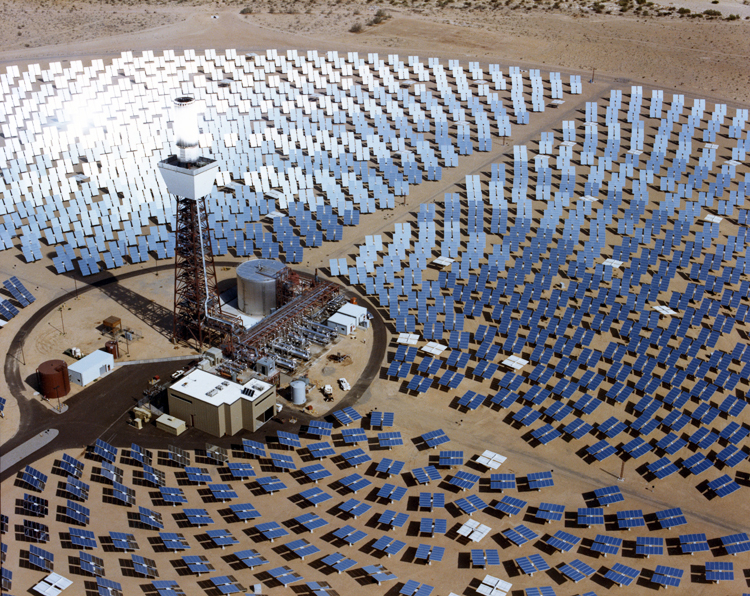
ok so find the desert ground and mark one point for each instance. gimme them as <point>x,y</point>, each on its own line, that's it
<point>704,56</point>
<point>708,54</point>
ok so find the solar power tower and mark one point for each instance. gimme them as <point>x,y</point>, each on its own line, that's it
<point>190,176</point>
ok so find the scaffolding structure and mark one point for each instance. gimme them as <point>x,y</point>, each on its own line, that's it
<point>287,284</point>
<point>290,285</point>
<point>195,285</point>
<point>197,308</point>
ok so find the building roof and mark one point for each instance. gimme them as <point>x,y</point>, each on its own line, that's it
<point>170,421</point>
<point>112,321</point>
<point>260,270</point>
<point>353,310</point>
<point>216,390</point>
<point>342,319</point>
<point>95,359</point>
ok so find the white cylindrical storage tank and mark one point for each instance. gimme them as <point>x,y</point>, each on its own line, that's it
<point>256,286</point>
<point>298,392</point>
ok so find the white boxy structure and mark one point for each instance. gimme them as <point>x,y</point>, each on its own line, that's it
<point>91,367</point>
<point>347,318</point>
<point>358,313</point>
<point>341,323</point>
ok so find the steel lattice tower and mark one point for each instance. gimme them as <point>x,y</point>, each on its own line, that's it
<point>190,177</point>
<point>195,287</point>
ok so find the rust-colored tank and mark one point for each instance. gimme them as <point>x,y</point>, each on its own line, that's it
<point>52,377</point>
<point>113,348</point>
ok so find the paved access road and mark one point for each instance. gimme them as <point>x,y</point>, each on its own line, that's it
<point>103,409</point>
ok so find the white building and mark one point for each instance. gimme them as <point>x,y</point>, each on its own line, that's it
<point>358,313</point>
<point>341,323</point>
<point>91,367</point>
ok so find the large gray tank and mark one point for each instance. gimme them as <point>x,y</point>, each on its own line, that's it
<point>256,286</point>
<point>298,392</point>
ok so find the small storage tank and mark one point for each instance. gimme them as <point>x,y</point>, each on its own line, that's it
<point>298,392</point>
<point>256,286</point>
<point>112,347</point>
<point>52,378</point>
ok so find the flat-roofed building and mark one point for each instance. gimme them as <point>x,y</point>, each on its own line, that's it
<point>357,312</point>
<point>91,367</point>
<point>219,406</point>
<point>342,324</point>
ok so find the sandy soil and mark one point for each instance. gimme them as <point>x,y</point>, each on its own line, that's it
<point>324,370</point>
<point>709,56</point>
<point>573,482</point>
<point>667,51</point>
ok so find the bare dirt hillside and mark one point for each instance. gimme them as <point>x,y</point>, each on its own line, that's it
<point>673,46</point>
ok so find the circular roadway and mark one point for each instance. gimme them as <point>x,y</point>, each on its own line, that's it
<point>115,398</point>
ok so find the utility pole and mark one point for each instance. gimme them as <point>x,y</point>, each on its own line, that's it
<point>622,473</point>
<point>61,318</point>
<point>22,337</point>
<point>127,343</point>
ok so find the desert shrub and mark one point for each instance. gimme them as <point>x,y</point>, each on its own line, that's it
<point>246,10</point>
<point>379,17</point>
<point>356,28</point>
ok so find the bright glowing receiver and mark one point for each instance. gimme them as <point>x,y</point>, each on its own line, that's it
<point>187,174</point>
<point>186,129</point>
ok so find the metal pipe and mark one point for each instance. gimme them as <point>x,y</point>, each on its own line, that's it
<point>203,256</point>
